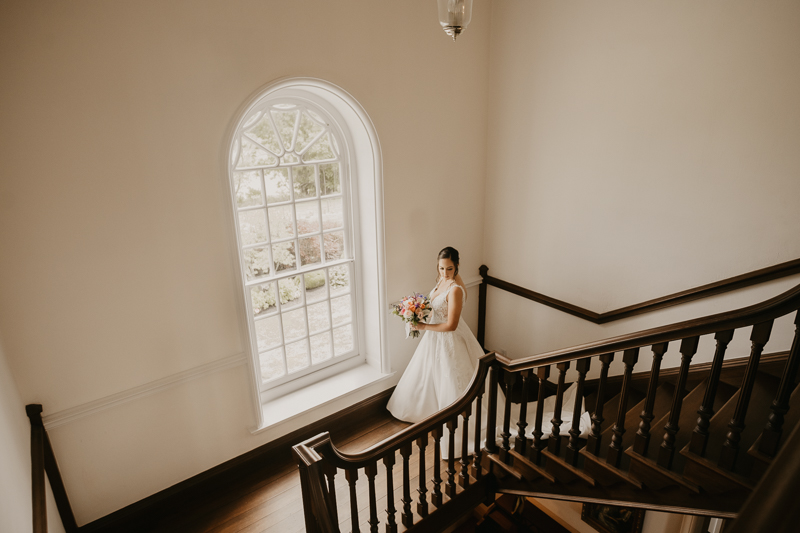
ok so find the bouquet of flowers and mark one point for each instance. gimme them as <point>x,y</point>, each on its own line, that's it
<point>413,310</point>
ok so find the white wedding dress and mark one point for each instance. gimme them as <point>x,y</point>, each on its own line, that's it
<point>441,368</point>
<point>440,372</point>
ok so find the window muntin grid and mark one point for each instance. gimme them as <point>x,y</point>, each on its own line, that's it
<point>295,245</point>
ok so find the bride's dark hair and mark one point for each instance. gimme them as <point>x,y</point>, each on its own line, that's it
<point>448,253</point>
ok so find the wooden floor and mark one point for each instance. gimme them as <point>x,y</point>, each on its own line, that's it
<point>269,500</point>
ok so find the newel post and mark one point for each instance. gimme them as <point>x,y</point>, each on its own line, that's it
<point>484,271</point>
<point>34,412</point>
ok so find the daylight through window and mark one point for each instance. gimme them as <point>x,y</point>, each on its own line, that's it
<point>290,190</point>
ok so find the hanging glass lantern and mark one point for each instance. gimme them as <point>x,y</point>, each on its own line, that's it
<point>454,16</point>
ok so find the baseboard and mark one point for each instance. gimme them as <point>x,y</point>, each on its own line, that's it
<point>150,507</point>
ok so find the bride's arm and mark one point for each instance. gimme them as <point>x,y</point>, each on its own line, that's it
<point>454,303</point>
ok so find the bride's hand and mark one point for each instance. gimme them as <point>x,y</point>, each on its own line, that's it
<point>418,327</point>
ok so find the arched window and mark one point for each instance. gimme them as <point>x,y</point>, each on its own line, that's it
<point>296,154</point>
<point>291,188</point>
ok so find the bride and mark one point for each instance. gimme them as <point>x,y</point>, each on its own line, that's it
<point>445,360</point>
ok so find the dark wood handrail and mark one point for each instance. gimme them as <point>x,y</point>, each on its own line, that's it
<point>703,291</point>
<point>746,316</point>
<point>770,309</point>
<point>319,458</point>
<point>322,443</point>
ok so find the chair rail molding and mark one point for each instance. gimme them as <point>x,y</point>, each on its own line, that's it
<point>65,416</point>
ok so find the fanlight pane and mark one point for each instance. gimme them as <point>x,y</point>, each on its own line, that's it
<point>265,134</point>
<point>248,188</point>
<point>306,133</point>
<point>304,186</point>
<point>321,347</point>
<point>289,159</point>
<point>254,156</point>
<point>256,263</point>
<point>320,151</point>
<point>285,121</point>
<point>277,183</point>
<point>271,364</point>
<point>329,179</point>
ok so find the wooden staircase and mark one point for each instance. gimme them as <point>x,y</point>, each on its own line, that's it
<point>694,440</point>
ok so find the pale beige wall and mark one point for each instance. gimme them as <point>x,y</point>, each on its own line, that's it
<point>15,455</point>
<point>116,268</point>
<point>637,149</point>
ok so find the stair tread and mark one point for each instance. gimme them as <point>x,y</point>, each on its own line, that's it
<point>662,403</point>
<point>757,412</point>
<point>687,420</point>
<point>791,419</point>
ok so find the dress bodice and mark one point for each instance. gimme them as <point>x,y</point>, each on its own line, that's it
<point>439,304</point>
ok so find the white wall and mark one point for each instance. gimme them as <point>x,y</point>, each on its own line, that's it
<point>637,150</point>
<point>15,455</point>
<point>116,265</point>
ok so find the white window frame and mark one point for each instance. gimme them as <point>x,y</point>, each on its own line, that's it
<point>361,176</point>
<point>254,115</point>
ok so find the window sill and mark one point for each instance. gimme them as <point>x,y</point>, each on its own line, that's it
<point>294,404</point>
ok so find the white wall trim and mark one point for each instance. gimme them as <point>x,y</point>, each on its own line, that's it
<point>66,416</point>
<point>471,282</point>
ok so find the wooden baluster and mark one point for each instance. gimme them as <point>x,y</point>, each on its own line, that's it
<point>508,379</point>
<point>436,497</point>
<point>667,450</point>
<point>450,486</point>
<point>463,478</point>
<point>330,474</point>
<point>730,449</point>
<point>573,447</point>
<point>484,271</point>
<point>477,461</point>
<point>771,436</point>
<point>593,444</point>
<point>642,439</point>
<point>554,444</point>
<point>629,359</point>
<point>521,441</point>
<point>700,434</point>
<point>391,522</point>
<point>371,471</point>
<point>406,516</point>
<point>542,373</point>
<point>491,411</point>
<point>352,476</point>
<point>422,504</point>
